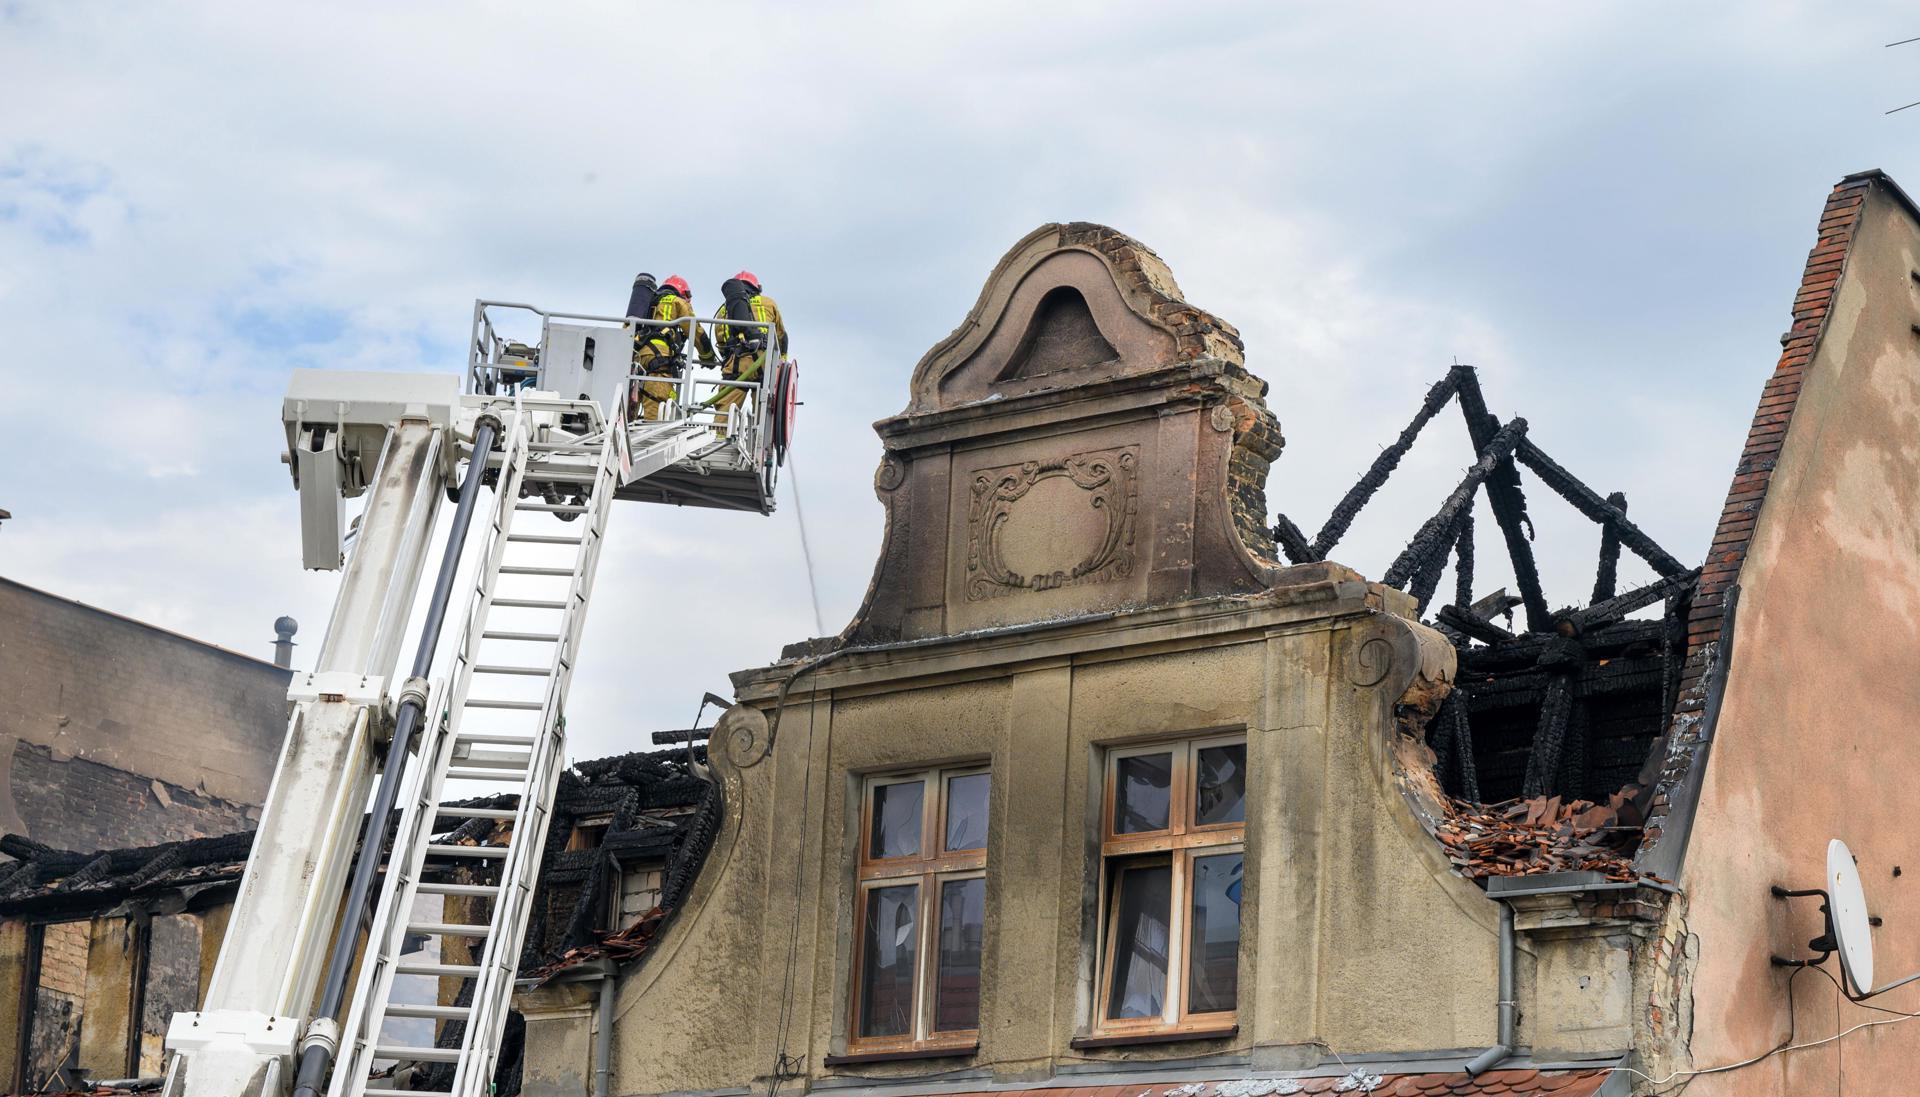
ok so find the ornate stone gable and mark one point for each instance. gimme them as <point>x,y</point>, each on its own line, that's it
<point>1085,440</point>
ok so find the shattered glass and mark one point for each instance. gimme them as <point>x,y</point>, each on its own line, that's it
<point>1220,785</point>
<point>967,811</point>
<point>1143,798</point>
<point>892,946</point>
<point>896,820</point>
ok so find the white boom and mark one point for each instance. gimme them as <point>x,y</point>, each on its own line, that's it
<point>544,423</point>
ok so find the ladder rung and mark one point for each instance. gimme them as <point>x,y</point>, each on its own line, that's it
<point>448,929</point>
<point>531,637</point>
<point>552,508</point>
<point>484,853</point>
<point>417,1054</point>
<point>494,702</point>
<point>522,569</point>
<point>498,761</point>
<point>528,603</point>
<point>498,738</point>
<point>428,967</point>
<point>546,538</point>
<point>501,668</point>
<point>493,773</point>
<point>474,891</point>
<point>376,1091</point>
<point>438,1013</point>
<point>476,813</point>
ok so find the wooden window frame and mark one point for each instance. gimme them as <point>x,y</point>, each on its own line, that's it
<point>1178,845</point>
<point>932,868</point>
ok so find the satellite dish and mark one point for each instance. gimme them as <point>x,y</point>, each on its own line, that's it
<point>1849,914</point>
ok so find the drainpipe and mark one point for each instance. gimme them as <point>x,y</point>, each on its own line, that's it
<point>603,1040</point>
<point>1508,1008</point>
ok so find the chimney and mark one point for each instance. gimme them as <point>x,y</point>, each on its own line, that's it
<point>283,630</point>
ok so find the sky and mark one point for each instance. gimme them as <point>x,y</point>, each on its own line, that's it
<point>1604,208</point>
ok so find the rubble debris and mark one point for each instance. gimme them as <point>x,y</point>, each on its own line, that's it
<point>1542,834</point>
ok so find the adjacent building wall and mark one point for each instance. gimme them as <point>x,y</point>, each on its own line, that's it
<point>114,733</point>
<point>1818,734</point>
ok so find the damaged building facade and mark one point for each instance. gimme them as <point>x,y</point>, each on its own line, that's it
<point>114,732</point>
<point>1120,785</point>
<point>1117,785</point>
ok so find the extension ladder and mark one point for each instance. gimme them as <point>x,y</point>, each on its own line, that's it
<point>458,745</point>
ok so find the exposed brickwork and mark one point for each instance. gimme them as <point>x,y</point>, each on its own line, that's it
<point>1753,475</point>
<point>1197,333</point>
<point>100,807</point>
<point>1256,444</point>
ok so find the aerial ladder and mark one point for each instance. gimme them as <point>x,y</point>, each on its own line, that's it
<point>303,995</point>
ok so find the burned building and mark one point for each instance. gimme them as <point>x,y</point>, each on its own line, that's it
<point>1118,785</point>
<point>99,949</point>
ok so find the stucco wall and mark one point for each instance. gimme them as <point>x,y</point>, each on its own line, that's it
<point>1355,935</point>
<point>94,708</point>
<point>1816,736</point>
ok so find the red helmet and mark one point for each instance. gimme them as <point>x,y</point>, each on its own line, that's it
<point>749,278</point>
<point>678,285</point>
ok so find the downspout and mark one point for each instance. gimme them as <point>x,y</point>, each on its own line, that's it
<point>1507,1007</point>
<point>603,1040</point>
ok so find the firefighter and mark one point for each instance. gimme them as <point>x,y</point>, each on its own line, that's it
<point>743,351</point>
<point>657,351</point>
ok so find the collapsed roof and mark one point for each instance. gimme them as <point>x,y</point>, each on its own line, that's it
<point>1544,744</point>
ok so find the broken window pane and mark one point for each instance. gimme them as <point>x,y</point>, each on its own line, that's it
<point>172,984</point>
<point>1220,785</point>
<point>1141,800</point>
<point>1142,898</point>
<point>1213,959</point>
<point>896,820</point>
<point>967,812</point>
<point>893,938</point>
<point>963,920</point>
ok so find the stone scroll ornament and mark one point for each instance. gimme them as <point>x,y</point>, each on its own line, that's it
<point>1107,476</point>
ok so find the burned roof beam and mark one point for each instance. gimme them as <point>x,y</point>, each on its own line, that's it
<point>1292,541</point>
<point>1437,535</point>
<point>1479,628</point>
<point>1463,561</point>
<point>1588,502</point>
<point>1383,466</point>
<point>1606,578</point>
<point>1616,608</point>
<point>1504,495</point>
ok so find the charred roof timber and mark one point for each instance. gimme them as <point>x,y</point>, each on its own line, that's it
<point>1554,724</point>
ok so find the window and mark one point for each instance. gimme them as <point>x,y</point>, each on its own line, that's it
<point>920,911</point>
<point>636,893</point>
<point>1172,836</point>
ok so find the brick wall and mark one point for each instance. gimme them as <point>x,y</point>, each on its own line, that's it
<point>87,806</point>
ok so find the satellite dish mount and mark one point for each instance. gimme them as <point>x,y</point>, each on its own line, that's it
<point>1847,927</point>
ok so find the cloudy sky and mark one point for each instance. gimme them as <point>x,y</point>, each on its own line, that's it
<point>1605,210</point>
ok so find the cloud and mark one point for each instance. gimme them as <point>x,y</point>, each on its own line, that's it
<point>199,197</point>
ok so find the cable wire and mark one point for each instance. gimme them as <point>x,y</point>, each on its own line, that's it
<point>806,549</point>
<point>1786,1046</point>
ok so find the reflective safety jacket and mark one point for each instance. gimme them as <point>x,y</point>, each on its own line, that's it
<point>760,307</point>
<point>671,306</point>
